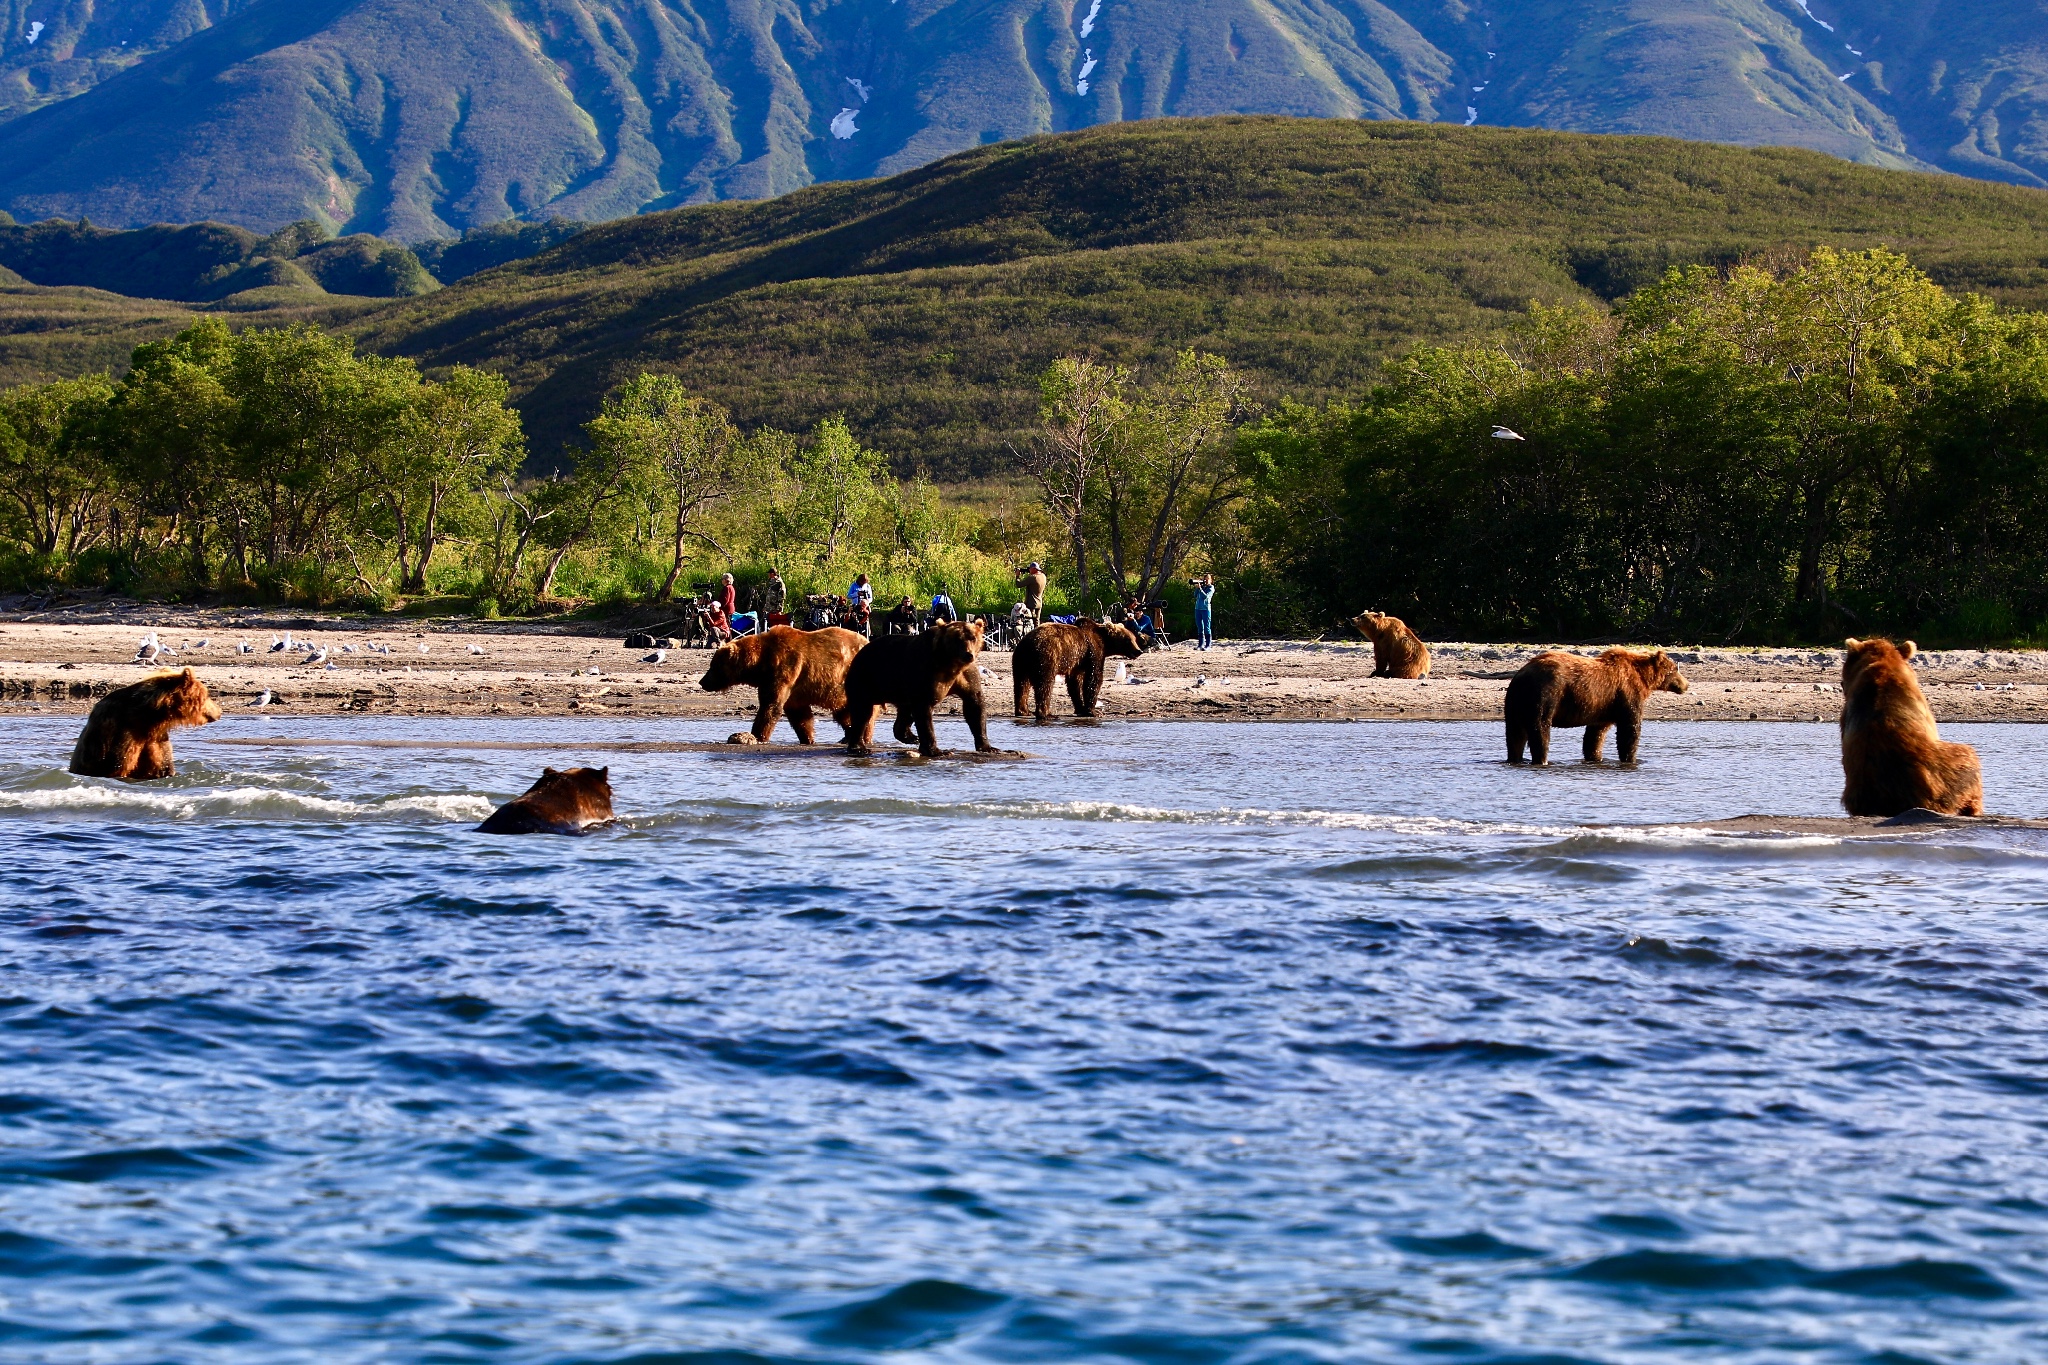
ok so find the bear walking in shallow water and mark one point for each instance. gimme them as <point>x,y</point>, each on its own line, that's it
<point>1078,651</point>
<point>1893,758</point>
<point>564,802</point>
<point>1600,694</point>
<point>128,734</point>
<point>793,672</point>
<point>914,673</point>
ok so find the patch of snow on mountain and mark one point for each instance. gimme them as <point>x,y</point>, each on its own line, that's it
<point>1088,24</point>
<point>35,31</point>
<point>862,90</point>
<point>1471,116</point>
<point>1081,78</point>
<point>842,124</point>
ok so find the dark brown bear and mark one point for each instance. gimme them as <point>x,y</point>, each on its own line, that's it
<point>1078,651</point>
<point>794,672</point>
<point>128,734</point>
<point>1603,693</point>
<point>1397,652</point>
<point>560,803</point>
<point>914,673</point>
<point>1893,759</point>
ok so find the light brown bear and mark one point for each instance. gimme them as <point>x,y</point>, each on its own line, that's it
<point>1893,759</point>
<point>128,734</point>
<point>1078,651</point>
<point>914,673</point>
<point>566,802</point>
<point>1600,694</point>
<point>794,672</point>
<point>1397,652</point>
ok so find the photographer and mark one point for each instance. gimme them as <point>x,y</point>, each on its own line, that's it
<point>1205,592</point>
<point>1031,578</point>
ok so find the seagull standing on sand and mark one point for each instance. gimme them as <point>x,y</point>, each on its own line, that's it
<point>263,700</point>
<point>659,656</point>
<point>423,646</point>
<point>278,646</point>
<point>1501,433</point>
<point>319,658</point>
<point>201,645</point>
<point>476,649</point>
<point>244,647</point>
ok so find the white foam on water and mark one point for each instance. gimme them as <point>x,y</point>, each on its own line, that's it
<point>210,804</point>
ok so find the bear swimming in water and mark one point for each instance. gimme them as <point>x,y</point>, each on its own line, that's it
<point>128,734</point>
<point>914,673</point>
<point>1603,693</point>
<point>1397,652</point>
<point>1078,651</point>
<point>1893,758</point>
<point>794,673</point>
<point>566,802</point>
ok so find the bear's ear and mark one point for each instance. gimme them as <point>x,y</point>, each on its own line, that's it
<point>1906,649</point>
<point>546,773</point>
<point>1852,643</point>
<point>604,774</point>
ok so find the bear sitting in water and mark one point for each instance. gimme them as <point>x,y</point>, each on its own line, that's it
<point>1397,652</point>
<point>1893,759</point>
<point>128,734</point>
<point>914,673</point>
<point>794,672</point>
<point>1603,693</point>
<point>560,803</point>
<point>1078,651</point>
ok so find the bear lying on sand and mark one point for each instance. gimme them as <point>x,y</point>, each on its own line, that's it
<point>1397,652</point>
<point>560,803</point>
<point>1603,693</point>
<point>1893,759</point>
<point>794,672</point>
<point>914,673</point>
<point>128,734</point>
<point>1078,651</point>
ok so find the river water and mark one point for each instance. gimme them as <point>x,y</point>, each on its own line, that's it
<point>1207,1043</point>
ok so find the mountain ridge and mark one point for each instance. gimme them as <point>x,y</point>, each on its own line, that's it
<point>416,121</point>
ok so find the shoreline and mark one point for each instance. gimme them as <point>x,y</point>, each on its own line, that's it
<point>60,662</point>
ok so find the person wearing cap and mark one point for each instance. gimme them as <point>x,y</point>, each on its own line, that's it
<point>1031,578</point>
<point>1205,592</point>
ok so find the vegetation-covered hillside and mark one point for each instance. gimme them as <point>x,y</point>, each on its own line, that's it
<point>1306,251</point>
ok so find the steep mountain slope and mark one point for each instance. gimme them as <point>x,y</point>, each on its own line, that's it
<point>922,306</point>
<point>416,119</point>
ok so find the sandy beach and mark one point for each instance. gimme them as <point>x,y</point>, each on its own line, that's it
<point>61,660</point>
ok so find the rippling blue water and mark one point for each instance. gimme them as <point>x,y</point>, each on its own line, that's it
<point>1184,1043</point>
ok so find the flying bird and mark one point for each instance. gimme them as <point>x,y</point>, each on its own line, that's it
<point>1501,433</point>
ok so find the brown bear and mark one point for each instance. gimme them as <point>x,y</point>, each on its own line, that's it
<point>1607,692</point>
<point>914,673</point>
<point>128,734</point>
<point>1893,759</point>
<point>1397,652</point>
<point>1078,651</point>
<point>795,672</point>
<point>560,803</point>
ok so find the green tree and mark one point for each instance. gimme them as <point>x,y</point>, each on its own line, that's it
<point>830,486</point>
<point>689,453</point>
<point>1084,407</point>
<point>55,483</point>
<point>168,432</point>
<point>454,438</point>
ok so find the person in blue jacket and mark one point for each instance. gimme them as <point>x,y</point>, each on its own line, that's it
<point>1205,592</point>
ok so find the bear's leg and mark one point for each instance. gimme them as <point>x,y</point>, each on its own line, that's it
<point>976,715</point>
<point>1020,687</point>
<point>1077,689</point>
<point>1628,737</point>
<point>1539,739</point>
<point>920,718</point>
<point>801,722</point>
<point>765,715</point>
<point>1518,740</point>
<point>860,728</point>
<point>844,718</point>
<point>1042,684</point>
<point>153,761</point>
<point>906,728</point>
<point>1596,739</point>
<point>1091,686</point>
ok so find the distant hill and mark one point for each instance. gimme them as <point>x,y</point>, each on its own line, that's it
<point>1307,251</point>
<point>419,119</point>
